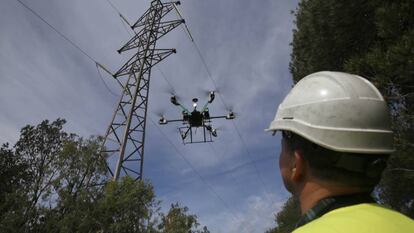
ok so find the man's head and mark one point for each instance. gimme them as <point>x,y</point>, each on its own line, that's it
<point>301,159</point>
<point>336,130</point>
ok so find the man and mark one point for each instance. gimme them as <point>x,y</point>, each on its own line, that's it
<point>336,138</point>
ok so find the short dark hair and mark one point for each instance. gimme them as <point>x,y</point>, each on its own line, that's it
<point>350,169</point>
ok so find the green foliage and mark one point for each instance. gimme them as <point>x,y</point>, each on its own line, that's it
<point>287,218</point>
<point>38,148</point>
<point>177,220</point>
<point>374,39</point>
<point>53,181</point>
<point>78,187</point>
<point>390,63</point>
<point>328,33</point>
<point>14,174</point>
<point>128,206</point>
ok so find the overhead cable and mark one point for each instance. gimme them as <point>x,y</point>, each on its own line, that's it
<point>100,75</point>
<point>197,173</point>
<point>175,148</point>
<point>69,41</point>
<point>221,98</point>
<point>125,21</point>
<point>57,31</point>
<point>234,124</point>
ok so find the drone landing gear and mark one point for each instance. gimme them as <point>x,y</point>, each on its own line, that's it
<point>189,134</point>
<point>211,130</point>
<point>184,134</point>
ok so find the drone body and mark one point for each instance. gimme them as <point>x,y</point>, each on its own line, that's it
<point>196,119</point>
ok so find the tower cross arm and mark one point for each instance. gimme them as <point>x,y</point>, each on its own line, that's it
<point>164,28</point>
<point>165,9</point>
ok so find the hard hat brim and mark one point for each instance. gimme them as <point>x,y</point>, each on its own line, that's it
<point>339,139</point>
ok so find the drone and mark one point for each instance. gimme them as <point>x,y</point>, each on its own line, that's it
<point>196,119</point>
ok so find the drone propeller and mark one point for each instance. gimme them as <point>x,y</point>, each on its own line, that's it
<point>220,128</point>
<point>231,112</point>
<point>159,113</point>
<point>206,92</point>
<point>210,94</point>
<point>170,90</point>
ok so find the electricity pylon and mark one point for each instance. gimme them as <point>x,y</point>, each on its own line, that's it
<point>125,137</point>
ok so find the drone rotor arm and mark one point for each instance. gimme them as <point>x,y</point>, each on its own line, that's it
<point>164,121</point>
<point>229,116</point>
<point>205,107</point>
<point>217,117</point>
<point>178,120</point>
<point>184,109</point>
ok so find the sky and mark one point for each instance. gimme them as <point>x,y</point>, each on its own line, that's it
<point>232,184</point>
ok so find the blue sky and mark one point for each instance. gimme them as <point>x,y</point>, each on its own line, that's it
<point>246,47</point>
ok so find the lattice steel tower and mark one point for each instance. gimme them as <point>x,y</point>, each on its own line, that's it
<point>125,137</point>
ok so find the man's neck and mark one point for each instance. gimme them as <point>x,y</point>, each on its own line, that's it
<point>311,193</point>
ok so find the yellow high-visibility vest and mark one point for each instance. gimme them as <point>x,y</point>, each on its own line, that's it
<point>364,218</point>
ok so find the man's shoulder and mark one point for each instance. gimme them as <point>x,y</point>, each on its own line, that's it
<point>360,218</point>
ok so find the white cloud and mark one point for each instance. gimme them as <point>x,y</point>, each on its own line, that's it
<point>246,46</point>
<point>255,215</point>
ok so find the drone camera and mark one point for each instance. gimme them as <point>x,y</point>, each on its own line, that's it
<point>211,97</point>
<point>174,100</point>
<point>195,100</point>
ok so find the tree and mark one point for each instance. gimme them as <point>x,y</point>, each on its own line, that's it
<point>53,181</point>
<point>287,217</point>
<point>45,174</point>
<point>374,39</point>
<point>37,151</point>
<point>329,32</point>
<point>13,174</point>
<point>78,187</point>
<point>390,64</point>
<point>177,220</point>
<point>128,206</point>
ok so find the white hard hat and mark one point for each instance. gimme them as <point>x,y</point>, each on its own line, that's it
<point>338,111</point>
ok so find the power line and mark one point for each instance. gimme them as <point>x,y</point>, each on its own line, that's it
<point>172,144</point>
<point>204,63</point>
<point>124,24</point>
<point>121,17</point>
<point>165,78</point>
<point>102,79</point>
<point>234,124</point>
<point>227,168</point>
<point>113,6</point>
<point>221,99</point>
<point>67,40</point>
<point>195,170</point>
<point>92,59</point>
<point>57,31</point>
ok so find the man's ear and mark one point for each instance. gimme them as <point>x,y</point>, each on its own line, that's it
<point>299,166</point>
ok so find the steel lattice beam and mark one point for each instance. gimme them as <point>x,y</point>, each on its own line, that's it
<point>125,138</point>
